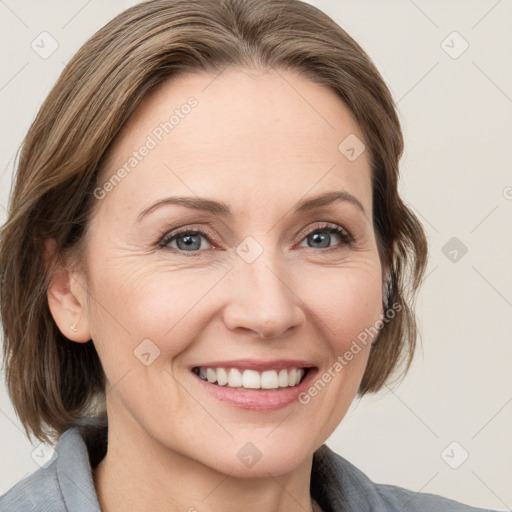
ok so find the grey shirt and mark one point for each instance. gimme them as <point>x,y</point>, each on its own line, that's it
<point>66,483</point>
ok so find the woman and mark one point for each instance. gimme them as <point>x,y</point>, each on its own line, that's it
<point>207,252</point>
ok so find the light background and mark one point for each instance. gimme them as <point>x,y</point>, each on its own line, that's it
<point>456,175</point>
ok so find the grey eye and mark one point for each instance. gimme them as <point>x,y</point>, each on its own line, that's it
<point>321,238</point>
<point>186,241</point>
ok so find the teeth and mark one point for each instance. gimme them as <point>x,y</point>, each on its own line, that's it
<point>235,378</point>
<point>269,380</point>
<point>252,379</point>
<point>222,377</point>
<point>211,375</point>
<point>282,379</point>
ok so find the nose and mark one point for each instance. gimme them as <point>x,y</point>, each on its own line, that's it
<point>262,300</point>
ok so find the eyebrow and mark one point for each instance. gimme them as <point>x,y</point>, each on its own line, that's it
<point>220,208</point>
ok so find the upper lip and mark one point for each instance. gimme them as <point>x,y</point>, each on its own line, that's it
<point>257,364</point>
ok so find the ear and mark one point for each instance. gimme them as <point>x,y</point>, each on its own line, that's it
<point>67,298</point>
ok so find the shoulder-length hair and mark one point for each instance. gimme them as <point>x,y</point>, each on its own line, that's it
<point>54,382</point>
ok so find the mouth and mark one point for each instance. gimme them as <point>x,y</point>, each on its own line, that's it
<point>239,378</point>
<point>255,385</point>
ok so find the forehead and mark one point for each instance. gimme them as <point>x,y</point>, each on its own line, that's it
<point>240,136</point>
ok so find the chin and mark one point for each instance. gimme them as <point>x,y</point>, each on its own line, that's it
<point>253,458</point>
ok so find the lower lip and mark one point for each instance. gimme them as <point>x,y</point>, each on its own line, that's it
<point>258,399</point>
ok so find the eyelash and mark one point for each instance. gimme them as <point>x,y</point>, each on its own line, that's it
<point>347,239</point>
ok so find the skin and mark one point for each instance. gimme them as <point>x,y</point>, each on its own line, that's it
<point>259,141</point>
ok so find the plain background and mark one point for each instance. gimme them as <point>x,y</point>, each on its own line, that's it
<point>455,110</point>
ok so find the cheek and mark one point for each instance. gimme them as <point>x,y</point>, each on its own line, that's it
<point>346,307</point>
<point>133,303</point>
<point>345,301</point>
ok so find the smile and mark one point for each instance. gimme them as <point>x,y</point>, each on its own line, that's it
<point>251,379</point>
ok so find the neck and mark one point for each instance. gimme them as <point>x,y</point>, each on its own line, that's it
<point>139,473</point>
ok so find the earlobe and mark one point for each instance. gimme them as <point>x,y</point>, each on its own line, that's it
<point>67,299</point>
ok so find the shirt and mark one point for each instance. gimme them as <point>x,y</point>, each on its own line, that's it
<point>65,483</point>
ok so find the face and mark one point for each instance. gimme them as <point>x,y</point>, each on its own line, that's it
<point>259,278</point>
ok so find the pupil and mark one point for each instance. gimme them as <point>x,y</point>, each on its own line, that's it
<point>317,237</point>
<point>188,242</point>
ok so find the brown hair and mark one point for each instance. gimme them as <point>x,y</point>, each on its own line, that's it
<point>54,382</point>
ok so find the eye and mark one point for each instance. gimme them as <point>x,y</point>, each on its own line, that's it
<point>186,240</point>
<point>321,236</point>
